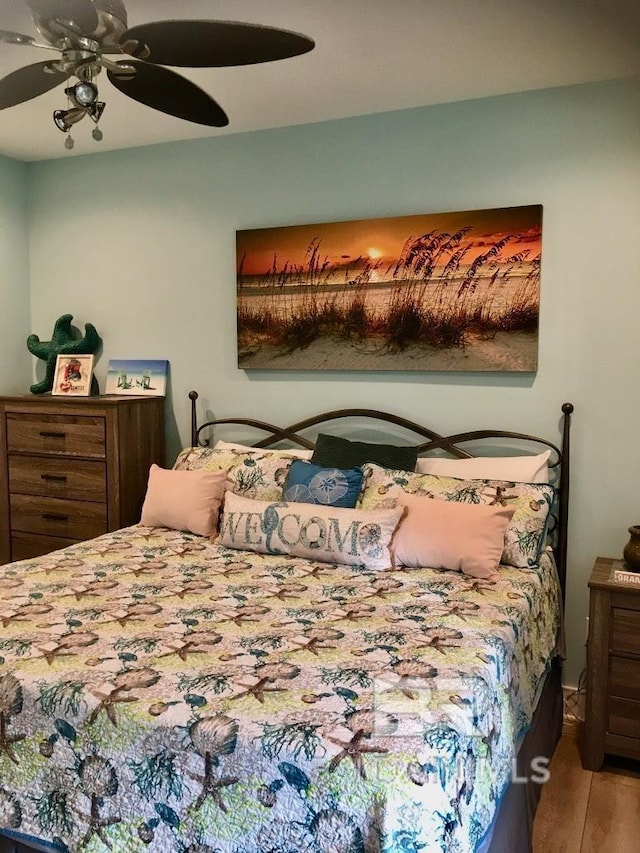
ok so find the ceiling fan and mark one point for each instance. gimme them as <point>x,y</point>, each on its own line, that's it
<point>89,35</point>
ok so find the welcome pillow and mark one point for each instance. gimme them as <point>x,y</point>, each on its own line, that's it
<point>328,534</point>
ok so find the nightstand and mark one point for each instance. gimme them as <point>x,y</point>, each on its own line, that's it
<point>72,468</point>
<point>612,722</point>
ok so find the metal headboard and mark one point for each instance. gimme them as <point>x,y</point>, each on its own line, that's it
<point>449,444</point>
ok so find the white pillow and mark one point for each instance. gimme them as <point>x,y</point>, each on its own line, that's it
<point>298,452</point>
<point>515,469</point>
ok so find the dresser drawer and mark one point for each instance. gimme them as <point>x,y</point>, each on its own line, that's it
<point>58,517</point>
<point>27,545</point>
<point>624,717</point>
<point>625,678</point>
<point>63,435</point>
<point>625,630</point>
<point>47,476</point>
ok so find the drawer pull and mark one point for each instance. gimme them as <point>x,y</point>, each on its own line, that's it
<point>52,434</point>
<point>55,516</point>
<point>59,478</point>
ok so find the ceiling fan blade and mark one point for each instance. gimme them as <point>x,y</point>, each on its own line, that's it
<point>81,13</point>
<point>28,82</point>
<point>170,93</point>
<point>9,37</point>
<point>211,44</point>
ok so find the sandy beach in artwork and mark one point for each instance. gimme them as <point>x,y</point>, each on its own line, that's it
<point>440,292</point>
<point>504,351</point>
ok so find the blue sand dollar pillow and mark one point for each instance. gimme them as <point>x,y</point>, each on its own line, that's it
<point>307,483</point>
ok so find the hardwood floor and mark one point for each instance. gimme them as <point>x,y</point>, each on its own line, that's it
<point>585,812</point>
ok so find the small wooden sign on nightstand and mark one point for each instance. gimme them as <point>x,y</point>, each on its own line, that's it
<point>620,573</point>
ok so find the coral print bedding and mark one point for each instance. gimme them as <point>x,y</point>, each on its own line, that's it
<point>160,693</point>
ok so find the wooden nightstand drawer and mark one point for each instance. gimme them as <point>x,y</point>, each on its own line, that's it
<point>625,630</point>
<point>624,717</point>
<point>62,435</point>
<point>625,678</point>
<point>58,517</point>
<point>58,478</point>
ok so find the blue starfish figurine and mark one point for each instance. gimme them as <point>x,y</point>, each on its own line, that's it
<point>62,342</point>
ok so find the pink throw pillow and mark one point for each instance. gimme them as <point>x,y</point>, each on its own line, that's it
<point>184,500</point>
<point>450,535</point>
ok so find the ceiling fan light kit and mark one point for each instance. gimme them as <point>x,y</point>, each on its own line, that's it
<point>84,93</point>
<point>88,33</point>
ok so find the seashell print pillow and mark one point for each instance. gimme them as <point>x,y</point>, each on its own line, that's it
<point>257,474</point>
<point>525,535</point>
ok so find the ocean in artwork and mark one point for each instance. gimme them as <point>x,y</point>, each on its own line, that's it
<point>456,291</point>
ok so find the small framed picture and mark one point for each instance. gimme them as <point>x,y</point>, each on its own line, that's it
<point>73,375</point>
<point>132,376</point>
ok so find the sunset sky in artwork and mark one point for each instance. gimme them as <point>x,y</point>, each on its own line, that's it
<point>383,239</point>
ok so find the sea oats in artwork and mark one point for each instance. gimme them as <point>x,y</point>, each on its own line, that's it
<point>444,291</point>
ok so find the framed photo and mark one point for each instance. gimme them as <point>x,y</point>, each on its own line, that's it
<point>130,376</point>
<point>73,376</point>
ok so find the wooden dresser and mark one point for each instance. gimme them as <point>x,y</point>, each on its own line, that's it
<point>73,468</point>
<point>613,667</point>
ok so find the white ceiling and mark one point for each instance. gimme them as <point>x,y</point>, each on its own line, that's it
<point>370,56</point>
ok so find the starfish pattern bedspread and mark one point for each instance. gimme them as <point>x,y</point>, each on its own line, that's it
<point>161,693</point>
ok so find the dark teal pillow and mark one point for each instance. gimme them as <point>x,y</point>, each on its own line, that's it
<point>307,483</point>
<point>331,450</point>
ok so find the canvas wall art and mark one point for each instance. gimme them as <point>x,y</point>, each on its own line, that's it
<point>436,292</point>
<point>133,376</point>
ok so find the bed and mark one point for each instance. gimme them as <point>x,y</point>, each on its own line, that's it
<point>162,691</point>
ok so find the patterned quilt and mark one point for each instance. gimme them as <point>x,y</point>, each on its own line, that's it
<point>160,693</point>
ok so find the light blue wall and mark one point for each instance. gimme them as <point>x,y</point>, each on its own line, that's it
<point>15,368</point>
<point>142,243</point>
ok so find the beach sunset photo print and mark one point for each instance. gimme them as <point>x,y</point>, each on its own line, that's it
<point>437,292</point>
